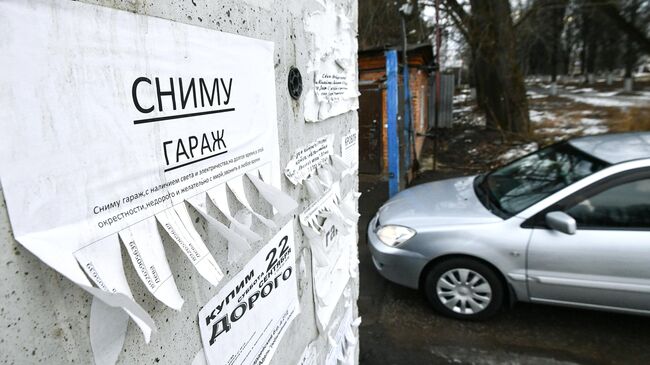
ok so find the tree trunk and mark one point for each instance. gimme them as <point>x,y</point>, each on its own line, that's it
<point>557,21</point>
<point>501,92</point>
<point>630,50</point>
<point>583,50</point>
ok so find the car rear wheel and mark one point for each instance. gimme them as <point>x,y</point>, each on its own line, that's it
<point>464,288</point>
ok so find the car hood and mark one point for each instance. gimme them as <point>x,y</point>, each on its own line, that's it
<point>439,203</point>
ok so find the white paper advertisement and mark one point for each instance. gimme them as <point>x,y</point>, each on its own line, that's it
<point>109,127</point>
<point>307,159</point>
<point>332,67</point>
<point>245,321</point>
<point>350,148</point>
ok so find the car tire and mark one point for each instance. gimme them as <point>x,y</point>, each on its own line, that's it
<point>464,288</point>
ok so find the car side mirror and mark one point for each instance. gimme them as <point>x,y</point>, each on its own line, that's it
<point>561,222</point>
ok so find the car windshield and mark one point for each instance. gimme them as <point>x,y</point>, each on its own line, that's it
<point>522,183</point>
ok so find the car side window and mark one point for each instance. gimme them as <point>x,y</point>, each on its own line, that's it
<point>622,206</point>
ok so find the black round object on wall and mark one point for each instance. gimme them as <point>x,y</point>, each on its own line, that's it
<point>295,83</point>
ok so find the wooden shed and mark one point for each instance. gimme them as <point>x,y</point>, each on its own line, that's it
<point>373,146</point>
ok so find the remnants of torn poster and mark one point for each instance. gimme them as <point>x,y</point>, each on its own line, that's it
<point>107,332</point>
<point>178,225</point>
<point>245,321</point>
<point>138,140</point>
<point>332,66</point>
<point>237,230</point>
<point>309,355</point>
<point>329,233</point>
<point>343,340</point>
<point>307,159</point>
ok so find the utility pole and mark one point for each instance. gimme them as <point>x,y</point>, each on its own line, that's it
<point>437,99</point>
<point>405,11</point>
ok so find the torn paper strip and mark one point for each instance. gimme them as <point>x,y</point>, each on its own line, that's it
<point>328,237</point>
<point>305,160</point>
<point>245,219</point>
<point>337,334</point>
<point>236,186</point>
<point>330,282</point>
<point>107,332</point>
<point>347,296</point>
<point>142,242</point>
<point>119,300</point>
<point>348,207</point>
<point>351,341</point>
<point>340,167</point>
<point>314,188</point>
<point>309,355</point>
<point>318,253</point>
<point>178,224</point>
<point>274,196</point>
<point>327,202</point>
<point>237,244</point>
<point>325,175</point>
<point>102,262</point>
<point>219,197</point>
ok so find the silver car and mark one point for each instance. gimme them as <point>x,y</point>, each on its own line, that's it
<point>566,225</point>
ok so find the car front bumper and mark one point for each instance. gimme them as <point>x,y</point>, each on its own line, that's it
<point>397,265</point>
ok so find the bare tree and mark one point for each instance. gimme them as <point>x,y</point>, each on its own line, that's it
<point>501,92</point>
<point>631,48</point>
<point>380,25</point>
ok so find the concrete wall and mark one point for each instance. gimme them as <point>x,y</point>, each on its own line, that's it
<point>44,317</point>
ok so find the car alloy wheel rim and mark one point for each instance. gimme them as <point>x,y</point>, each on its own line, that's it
<point>464,291</point>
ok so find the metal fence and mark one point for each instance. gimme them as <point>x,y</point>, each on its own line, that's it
<point>445,111</point>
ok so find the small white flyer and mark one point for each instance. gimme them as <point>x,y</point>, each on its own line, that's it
<point>350,148</point>
<point>307,159</point>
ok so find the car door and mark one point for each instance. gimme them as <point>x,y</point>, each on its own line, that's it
<point>606,263</point>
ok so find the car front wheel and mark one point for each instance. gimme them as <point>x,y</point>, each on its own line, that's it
<point>464,288</point>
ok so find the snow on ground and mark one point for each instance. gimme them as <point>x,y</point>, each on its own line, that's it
<point>591,96</point>
<point>463,110</point>
<point>474,120</point>
<point>593,126</point>
<point>596,129</point>
<point>464,96</point>
<point>538,116</point>
<point>559,131</point>
<point>583,90</point>
<point>556,125</point>
<point>535,95</point>
<point>590,121</point>
<point>609,93</point>
<point>519,151</point>
<point>572,124</point>
<point>607,102</point>
<point>580,123</point>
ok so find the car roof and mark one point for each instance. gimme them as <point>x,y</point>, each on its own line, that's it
<point>616,147</point>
